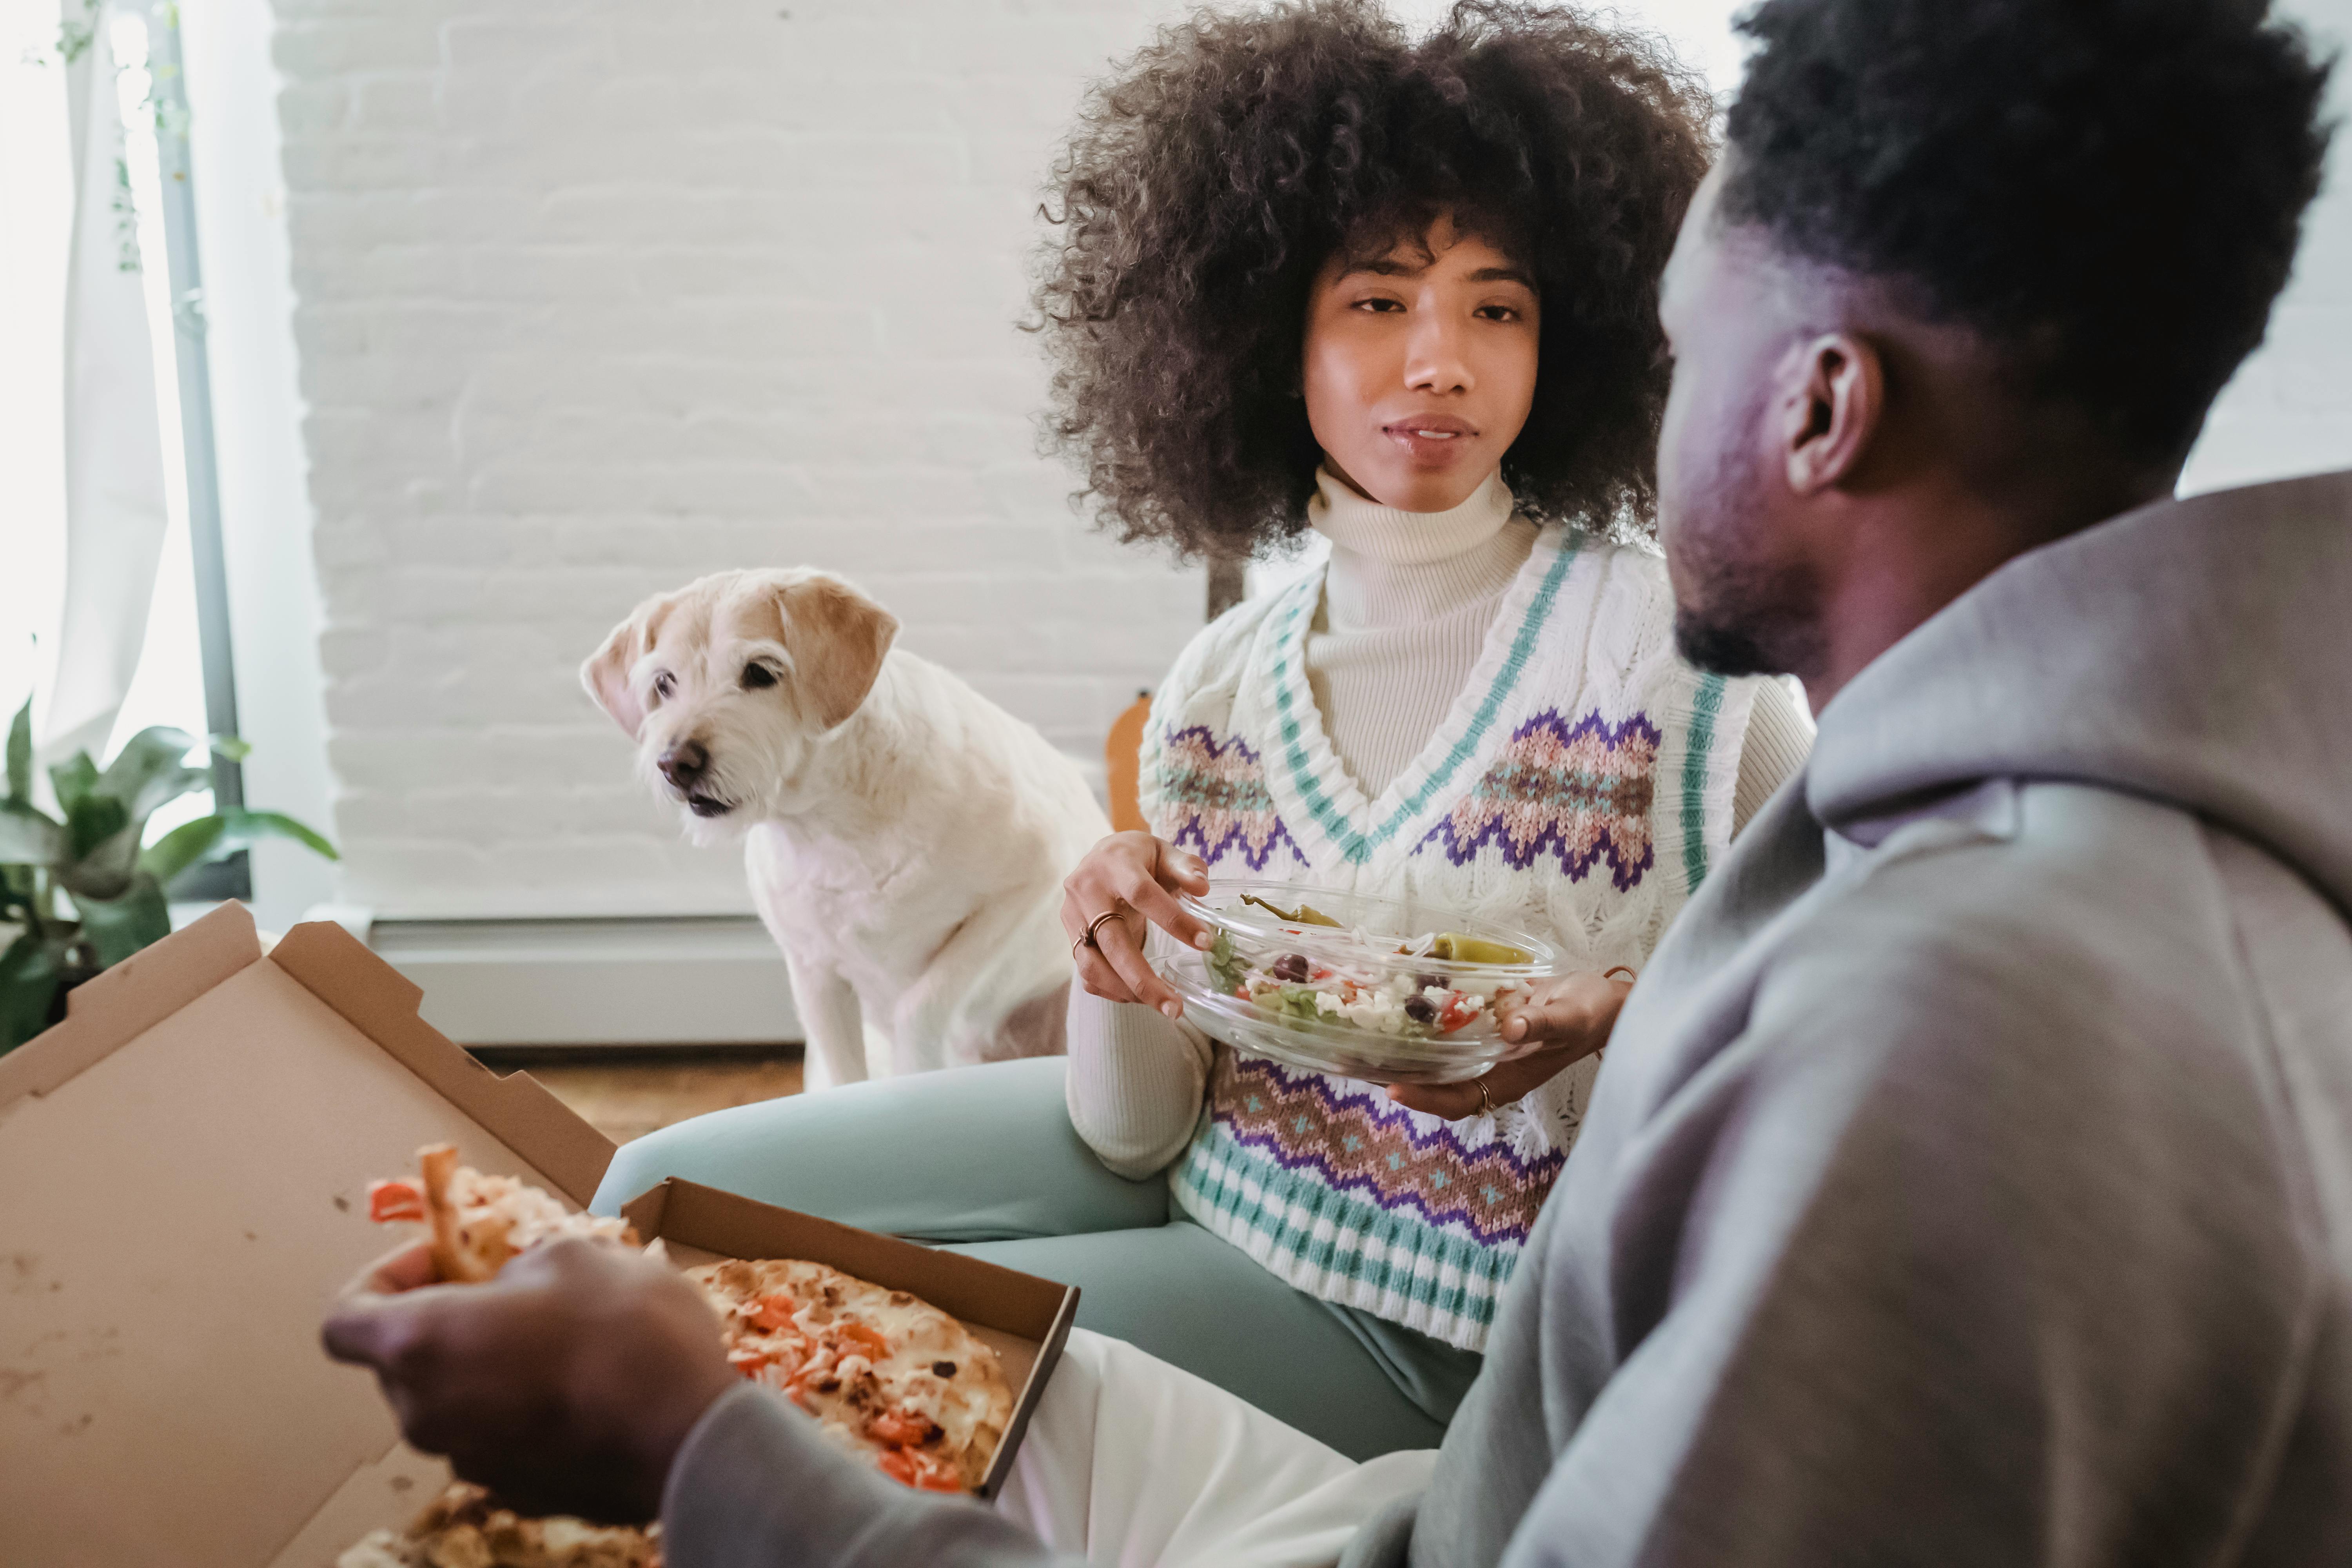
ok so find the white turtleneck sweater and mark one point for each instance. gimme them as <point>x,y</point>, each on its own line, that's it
<point>1408,600</point>
<point>1407,603</point>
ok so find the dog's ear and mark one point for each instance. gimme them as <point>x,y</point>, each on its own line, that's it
<point>606,674</point>
<point>837,638</point>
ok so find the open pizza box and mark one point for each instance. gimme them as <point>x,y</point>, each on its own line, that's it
<point>183,1169</point>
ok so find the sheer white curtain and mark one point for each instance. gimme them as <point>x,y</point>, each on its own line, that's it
<point>35,221</point>
<point>116,510</point>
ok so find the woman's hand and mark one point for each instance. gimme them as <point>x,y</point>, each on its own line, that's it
<point>1550,1026</point>
<point>1134,878</point>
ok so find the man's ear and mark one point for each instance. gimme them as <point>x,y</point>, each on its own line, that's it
<point>1832,413</point>
<point>606,674</point>
<point>837,638</point>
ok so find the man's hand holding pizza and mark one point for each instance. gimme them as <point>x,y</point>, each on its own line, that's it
<point>566,1386</point>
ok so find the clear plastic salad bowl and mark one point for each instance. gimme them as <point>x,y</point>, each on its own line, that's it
<point>1385,989</point>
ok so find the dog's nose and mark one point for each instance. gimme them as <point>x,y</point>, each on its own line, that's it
<point>683,764</point>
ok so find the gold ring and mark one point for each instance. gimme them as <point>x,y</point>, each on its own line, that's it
<point>1482,1100</point>
<point>1092,926</point>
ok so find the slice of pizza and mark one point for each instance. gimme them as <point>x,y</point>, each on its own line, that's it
<point>886,1374</point>
<point>465,1528</point>
<point>478,1221</point>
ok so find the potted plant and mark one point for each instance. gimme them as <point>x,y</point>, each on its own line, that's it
<point>80,895</point>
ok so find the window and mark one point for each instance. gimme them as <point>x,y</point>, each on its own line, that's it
<point>183,676</point>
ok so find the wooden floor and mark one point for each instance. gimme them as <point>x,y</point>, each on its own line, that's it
<point>629,1095</point>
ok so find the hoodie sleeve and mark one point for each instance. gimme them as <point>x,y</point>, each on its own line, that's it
<point>1975,1249</point>
<point>756,1487</point>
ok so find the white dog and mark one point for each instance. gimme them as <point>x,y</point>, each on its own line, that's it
<point>905,838</point>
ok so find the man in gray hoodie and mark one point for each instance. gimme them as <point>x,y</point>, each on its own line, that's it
<point>1971,1177</point>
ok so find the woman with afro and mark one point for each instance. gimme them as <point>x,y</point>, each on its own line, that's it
<point>1312,273</point>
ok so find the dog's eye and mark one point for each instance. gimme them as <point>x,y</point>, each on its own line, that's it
<point>665,683</point>
<point>758,678</point>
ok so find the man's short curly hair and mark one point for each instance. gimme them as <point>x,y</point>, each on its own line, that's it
<point>1217,170</point>
<point>2109,191</point>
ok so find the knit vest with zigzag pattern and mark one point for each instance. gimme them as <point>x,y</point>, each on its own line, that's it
<point>1580,788</point>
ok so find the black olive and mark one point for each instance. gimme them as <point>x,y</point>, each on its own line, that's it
<point>1421,982</point>
<point>1291,967</point>
<point>1419,1009</point>
<point>944,1368</point>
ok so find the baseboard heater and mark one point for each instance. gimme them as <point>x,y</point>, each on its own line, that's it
<point>685,981</point>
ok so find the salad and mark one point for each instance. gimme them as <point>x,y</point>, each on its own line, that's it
<point>1317,984</point>
<point>1347,991</point>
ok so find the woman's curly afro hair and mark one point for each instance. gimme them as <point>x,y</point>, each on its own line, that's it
<point>1213,176</point>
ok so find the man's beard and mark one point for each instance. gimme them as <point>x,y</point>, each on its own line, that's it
<point>1755,622</point>
<point>1734,614</point>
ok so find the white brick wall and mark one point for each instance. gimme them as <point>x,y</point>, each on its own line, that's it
<point>595,296</point>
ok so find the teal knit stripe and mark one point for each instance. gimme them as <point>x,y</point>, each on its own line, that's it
<point>1237,1193</point>
<point>1357,847</point>
<point>1705,704</point>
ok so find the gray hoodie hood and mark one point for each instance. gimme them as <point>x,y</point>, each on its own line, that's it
<point>2197,652</point>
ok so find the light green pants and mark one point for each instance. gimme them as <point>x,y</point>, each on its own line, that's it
<point>984,1159</point>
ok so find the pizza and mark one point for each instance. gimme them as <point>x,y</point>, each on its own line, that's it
<point>463,1528</point>
<point>478,1221</point>
<point>886,1374</point>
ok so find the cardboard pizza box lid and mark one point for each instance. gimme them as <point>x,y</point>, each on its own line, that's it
<point>1024,1319</point>
<point>185,1162</point>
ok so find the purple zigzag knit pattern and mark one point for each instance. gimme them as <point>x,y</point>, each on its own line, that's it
<point>1582,792</point>
<point>1299,1121</point>
<point>1215,797</point>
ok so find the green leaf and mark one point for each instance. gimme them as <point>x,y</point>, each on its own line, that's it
<point>20,753</point>
<point>1295,1002</point>
<point>29,983</point>
<point>92,820</point>
<point>1225,965</point>
<point>73,780</point>
<point>224,833</point>
<point>106,871</point>
<point>184,847</point>
<point>251,826</point>
<point>151,769</point>
<point>229,746</point>
<point>116,928</point>
<point>28,837</point>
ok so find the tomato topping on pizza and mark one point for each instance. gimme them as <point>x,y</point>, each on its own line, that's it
<point>394,1199</point>
<point>478,1221</point>
<point>886,1375</point>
